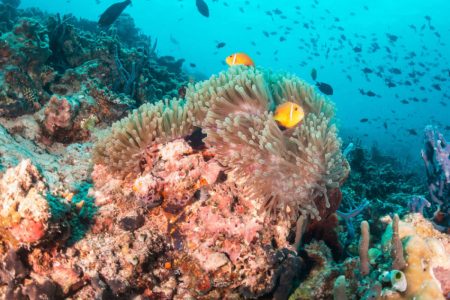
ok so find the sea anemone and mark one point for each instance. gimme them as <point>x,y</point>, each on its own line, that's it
<point>286,171</point>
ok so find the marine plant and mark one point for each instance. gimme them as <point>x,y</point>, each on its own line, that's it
<point>287,170</point>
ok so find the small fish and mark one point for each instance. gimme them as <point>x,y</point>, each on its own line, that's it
<point>395,71</point>
<point>239,59</point>
<point>288,114</point>
<point>392,38</point>
<point>220,45</point>
<point>202,8</point>
<point>325,88</point>
<point>367,70</point>
<point>174,40</point>
<point>111,14</point>
<point>192,65</point>
<point>182,91</point>
<point>412,131</point>
<point>314,74</point>
<point>363,120</point>
<point>437,87</point>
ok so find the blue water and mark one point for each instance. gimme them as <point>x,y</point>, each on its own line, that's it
<point>184,33</point>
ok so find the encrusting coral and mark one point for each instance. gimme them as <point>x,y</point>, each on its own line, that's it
<point>413,262</point>
<point>234,111</point>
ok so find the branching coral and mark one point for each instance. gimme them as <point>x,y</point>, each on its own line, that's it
<point>286,170</point>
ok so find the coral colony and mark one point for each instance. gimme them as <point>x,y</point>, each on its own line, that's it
<point>107,192</point>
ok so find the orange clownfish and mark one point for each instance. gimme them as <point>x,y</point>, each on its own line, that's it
<point>289,114</point>
<point>239,59</point>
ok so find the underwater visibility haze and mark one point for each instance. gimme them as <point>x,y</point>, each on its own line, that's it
<point>224,149</point>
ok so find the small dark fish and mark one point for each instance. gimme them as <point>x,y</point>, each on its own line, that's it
<point>367,70</point>
<point>192,65</point>
<point>220,45</point>
<point>314,74</point>
<point>174,40</point>
<point>392,38</point>
<point>363,120</point>
<point>277,11</point>
<point>202,8</point>
<point>395,71</point>
<point>182,91</point>
<point>325,88</point>
<point>404,101</point>
<point>385,125</point>
<point>413,27</point>
<point>370,94</point>
<point>111,14</point>
<point>437,87</point>
<point>412,131</point>
<point>390,84</point>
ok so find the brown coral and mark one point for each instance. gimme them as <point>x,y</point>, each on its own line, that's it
<point>58,115</point>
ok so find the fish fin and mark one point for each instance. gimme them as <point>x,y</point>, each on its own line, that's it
<point>291,112</point>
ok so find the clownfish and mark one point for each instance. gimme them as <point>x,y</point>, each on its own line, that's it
<point>239,59</point>
<point>289,114</point>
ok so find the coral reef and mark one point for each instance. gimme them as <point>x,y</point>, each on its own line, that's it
<point>197,193</point>
<point>423,276</point>
<point>426,265</point>
<point>217,222</point>
<point>43,54</point>
<point>232,110</point>
<point>322,273</point>
<point>58,77</point>
<point>167,215</point>
<point>436,157</point>
<point>396,189</point>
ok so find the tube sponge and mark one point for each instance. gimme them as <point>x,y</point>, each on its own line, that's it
<point>398,261</point>
<point>364,266</point>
